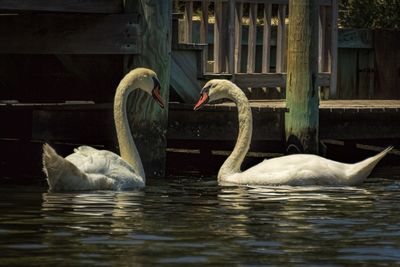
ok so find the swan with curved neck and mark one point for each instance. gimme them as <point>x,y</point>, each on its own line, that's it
<point>91,169</point>
<point>300,169</point>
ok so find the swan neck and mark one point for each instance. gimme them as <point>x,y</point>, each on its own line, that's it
<point>127,146</point>
<point>233,163</point>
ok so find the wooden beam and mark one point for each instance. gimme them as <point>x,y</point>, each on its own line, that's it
<point>149,121</point>
<point>281,40</point>
<point>218,37</point>
<point>340,119</point>
<point>80,6</point>
<point>321,39</point>
<point>269,2</point>
<point>355,38</point>
<point>334,48</point>
<point>204,22</point>
<point>69,34</point>
<point>238,35</point>
<point>204,33</point>
<point>206,125</point>
<point>251,47</point>
<point>302,98</point>
<point>266,56</point>
<point>258,80</point>
<point>231,37</point>
<point>188,22</point>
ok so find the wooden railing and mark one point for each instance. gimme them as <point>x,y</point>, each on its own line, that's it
<point>228,41</point>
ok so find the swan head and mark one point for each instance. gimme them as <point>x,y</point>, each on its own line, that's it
<point>213,90</point>
<point>147,80</point>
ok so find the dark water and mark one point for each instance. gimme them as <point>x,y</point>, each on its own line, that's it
<point>184,221</point>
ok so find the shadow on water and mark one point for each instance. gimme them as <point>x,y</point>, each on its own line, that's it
<point>186,220</point>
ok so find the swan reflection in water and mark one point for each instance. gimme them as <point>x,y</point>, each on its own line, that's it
<point>94,227</point>
<point>113,209</point>
<point>279,219</point>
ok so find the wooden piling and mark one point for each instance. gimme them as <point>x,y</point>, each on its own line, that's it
<point>148,121</point>
<point>302,100</point>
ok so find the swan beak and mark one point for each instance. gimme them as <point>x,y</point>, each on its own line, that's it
<point>157,96</point>
<point>202,101</point>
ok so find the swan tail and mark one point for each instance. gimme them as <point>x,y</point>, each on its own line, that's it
<point>61,174</point>
<point>360,171</point>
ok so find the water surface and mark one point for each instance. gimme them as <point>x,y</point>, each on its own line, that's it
<point>182,221</point>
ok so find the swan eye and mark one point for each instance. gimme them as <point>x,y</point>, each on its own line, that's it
<point>205,89</point>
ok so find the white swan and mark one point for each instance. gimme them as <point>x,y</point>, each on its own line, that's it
<point>91,169</point>
<point>300,169</point>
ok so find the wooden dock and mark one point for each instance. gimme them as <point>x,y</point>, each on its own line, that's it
<point>191,136</point>
<point>83,53</point>
<point>340,119</point>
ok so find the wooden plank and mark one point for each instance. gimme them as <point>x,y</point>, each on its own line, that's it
<point>69,34</point>
<point>334,49</point>
<point>269,2</point>
<point>204,32</point>
<point>357,125</point>
<point>218,36</point>
<point>339,120</point>
<point>365,74</point>
<point>75,123</point>
<point>238,36</point>
<point>188,22</point>
<point>281,34</point>
<point>321,38</point>
<point>251,48</point>
<point>347,74</point>
<point>231,37</point>
<point>372,75</point>
<point>74,126</point>
<point>80,6</point>
<point>355,38</point>
<point>387,58</point>
<point>184,75</point>
<point>204,22</point>
<point>266,56</point>
<point>259,80</point>
<point>150,121</point>
<point>206,125</point>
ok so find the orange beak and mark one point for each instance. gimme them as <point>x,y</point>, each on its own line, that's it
<point>202,101</point>
<point>157,96</point>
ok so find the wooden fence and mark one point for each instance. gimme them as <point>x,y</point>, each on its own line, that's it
<point>228,54</point>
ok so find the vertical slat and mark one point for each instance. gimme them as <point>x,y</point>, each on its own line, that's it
<point>321,39</point>
<point>204,22</point>
<point>238,36</point>
<point>129,7</point>
<point>334,48</point>
<point>204,31</point>
<point>251,53</point>
<point>266,39</point>
<point>281,46</point>
<point>218,37</point>
<point>231,37</point>
<point>188,22</point>
<point>371,68</point>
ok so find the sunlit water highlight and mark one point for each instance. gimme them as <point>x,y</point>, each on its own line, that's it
<point>185,221</point>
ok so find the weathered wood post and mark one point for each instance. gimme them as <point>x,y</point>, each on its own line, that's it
<point>302,100</point>
<point>148,120</point>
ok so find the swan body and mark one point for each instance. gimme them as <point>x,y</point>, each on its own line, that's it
<point>299,169</point>
<point>91,169</point>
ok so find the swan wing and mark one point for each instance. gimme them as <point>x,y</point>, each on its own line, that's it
<point>101,164</point>
<point>295,170</point>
